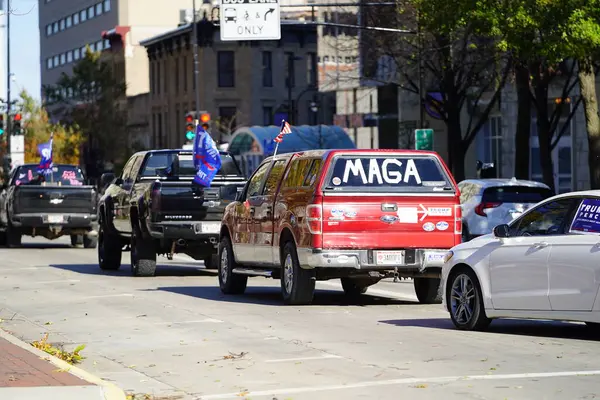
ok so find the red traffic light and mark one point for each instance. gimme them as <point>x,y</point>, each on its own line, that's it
<point>189,119</point>
<point>17,117</point>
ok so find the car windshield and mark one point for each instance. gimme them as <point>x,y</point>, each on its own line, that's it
<point>182,164</point>
<point>516,194</point>
<point>389,173</point>
<point>64,175</point>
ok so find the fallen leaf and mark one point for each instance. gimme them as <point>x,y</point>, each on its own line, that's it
<point>152,365</point>
<point>244,393</point>
<point>48,323</point>
<point>131,366</point>
<point>422,386</point>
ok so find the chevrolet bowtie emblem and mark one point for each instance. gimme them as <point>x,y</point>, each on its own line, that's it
<point>56,201</point>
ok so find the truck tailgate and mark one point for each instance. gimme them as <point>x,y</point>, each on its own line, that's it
<point>54,199</point>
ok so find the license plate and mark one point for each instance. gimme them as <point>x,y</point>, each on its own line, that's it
<point>389,257</point>
<point>210,227</point>
<point>55,219</point>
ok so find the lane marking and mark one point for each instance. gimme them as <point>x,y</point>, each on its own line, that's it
<point>109,295</point>
<point>212,320</point>
<point>323,357</point>
<point>18,269</point>
<point>373,291</point>
<point>403,381</point>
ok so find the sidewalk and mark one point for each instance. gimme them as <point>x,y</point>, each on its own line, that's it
<point>27,373</point>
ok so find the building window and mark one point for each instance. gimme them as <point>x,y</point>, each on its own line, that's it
<point>69,21</point>
<point>185,74</point>
<point>290,71</point>
<point>90,12</point>
<point>76,54</point>
<point>226,68</point>
<point>69,56</point>
<point>267,116</point>
<point>49,63</point>
<point>63,58</point>
<point>76,19</point>
<point>62,24</point>
<point>267,69</point>
<point>55,62</point>
<point>99,44</point>
<point>55,27</point>
<point>311,69</point>
<point>99,9</point>
<point>106,5</point>
<point>227,117</point>
<point>92,47</point>
<point>106,44</point>
<point>48,30</point>
<point>492,143</point>
<point>83,51</point>
<point>83,15</point>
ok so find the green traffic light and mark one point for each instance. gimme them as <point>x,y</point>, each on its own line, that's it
<point>1,131</point>
<point>189,135</point>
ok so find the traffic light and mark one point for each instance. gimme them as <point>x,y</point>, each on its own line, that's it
<point>205,120</point>
<point>423,139</point>
<point>16,125</point>
<point>190,126</point>
<point>1,124</point>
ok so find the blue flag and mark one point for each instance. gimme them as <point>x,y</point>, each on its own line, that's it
<point>45,150</point>
<point>207,159</point>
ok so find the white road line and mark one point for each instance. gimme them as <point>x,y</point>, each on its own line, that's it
<point>17,269</point>
<point>109,295</point>
<point>211,320</point>
<point>323,357</point>
<point>373,291</point>
<point>404,381</point>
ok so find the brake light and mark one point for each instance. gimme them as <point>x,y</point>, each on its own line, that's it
<point>479,210</point>
<point>155,196</point>
<point>457,219</point>
<point>314,221</point>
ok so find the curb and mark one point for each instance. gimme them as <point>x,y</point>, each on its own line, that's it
<point>110,390</point>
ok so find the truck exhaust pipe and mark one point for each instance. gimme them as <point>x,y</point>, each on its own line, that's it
<point>181,242</point>
<point>213,240</point>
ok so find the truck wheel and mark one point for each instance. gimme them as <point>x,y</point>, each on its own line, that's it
<point>212,262</point>
<point>109,250</point>
<point>89,242</point>
<point>356,287</point>
<point>13,236</point>
<point>297,283</point>
<point>428,290</point>
<point>229,283</point>
<point>143,254</point>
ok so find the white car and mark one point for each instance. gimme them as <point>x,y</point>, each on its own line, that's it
<point>486,203</point>
<point>543,265</point>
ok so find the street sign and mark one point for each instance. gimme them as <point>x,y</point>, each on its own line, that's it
<point>249,20</point>
<point>17,144</point>
<point>423,139</point>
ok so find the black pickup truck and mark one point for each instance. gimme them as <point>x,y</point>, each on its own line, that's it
<point>51,206</point>
<point>154,208</point>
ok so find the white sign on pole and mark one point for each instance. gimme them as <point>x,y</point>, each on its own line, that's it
<point>17,144</point>
<point>17,159</point>
<point>249,20</point>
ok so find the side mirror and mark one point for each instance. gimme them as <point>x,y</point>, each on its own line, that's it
<point>502,231</point>
<point>106,179</point>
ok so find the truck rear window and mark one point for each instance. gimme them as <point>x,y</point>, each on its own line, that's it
<point>65,175</point>
<point>391,173</point>
<point>515,194</point>
<point>176,164</point>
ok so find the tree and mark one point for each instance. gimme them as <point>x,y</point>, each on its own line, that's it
<point>93,99</point>
<point>37,129</point>
<point>456,54</point>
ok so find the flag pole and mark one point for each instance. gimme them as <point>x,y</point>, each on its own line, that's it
<point>277,143</point>
<point>51,155</point>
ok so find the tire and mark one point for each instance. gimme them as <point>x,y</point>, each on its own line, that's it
<point>143,254</point>
<point>110,250</point>
<point>90,242</point>
<point>229,283</point>
<point>464,290</point>
<point>13,236</point>
<point>356,287</point>
<point>297,283</point>
<point>75,240</point>
<point>212,262</point>
<point>428,290</point>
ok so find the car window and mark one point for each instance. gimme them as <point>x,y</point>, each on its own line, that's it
<point>65,175</point>
<point>297,172</point>
<point>546,219</point>
<point>135,169</point>
<point>515,194</point>
<point>256,181</point>
<point>182,164</point>
<point>274,177</point>
<point>127,168</point>
<point>311,177</point>
<point>587,217</point>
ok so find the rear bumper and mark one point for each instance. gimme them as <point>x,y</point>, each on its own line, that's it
<point>45,220</point>
<point>189,230</point>
<point>415,260</point>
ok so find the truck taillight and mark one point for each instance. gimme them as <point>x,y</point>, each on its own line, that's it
<point>314,216</point>
<point>155,196</point>
<point>457,219</point>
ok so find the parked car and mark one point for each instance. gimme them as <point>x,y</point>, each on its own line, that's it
<point>154,208</point>
<point>542,265</point>
<point>356,215</point>
<point>51,206</point>
<point>490,202</point>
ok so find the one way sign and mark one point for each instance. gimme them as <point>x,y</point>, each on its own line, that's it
<point>249,20</point>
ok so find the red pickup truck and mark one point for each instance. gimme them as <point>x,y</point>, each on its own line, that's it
<point>357,215</point>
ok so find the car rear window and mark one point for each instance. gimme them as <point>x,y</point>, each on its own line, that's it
<point>65,175</point>
<point>182,164</point>
<point>390,173</point>
<point>515,194</point>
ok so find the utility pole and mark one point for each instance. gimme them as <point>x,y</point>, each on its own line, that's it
<point>196,62</point>
<point>8,101</point>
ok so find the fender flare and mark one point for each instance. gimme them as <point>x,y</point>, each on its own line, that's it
<point>107,214</point>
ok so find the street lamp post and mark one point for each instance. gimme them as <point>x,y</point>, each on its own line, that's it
<point>196,62</point>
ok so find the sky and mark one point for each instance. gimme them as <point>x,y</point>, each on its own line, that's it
<point>25,48</point>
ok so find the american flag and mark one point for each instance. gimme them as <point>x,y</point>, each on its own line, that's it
<point>285,129</point>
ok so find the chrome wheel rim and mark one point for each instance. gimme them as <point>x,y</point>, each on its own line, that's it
<point>224,265</point>
<point>462,299</point>
<point>288,273</point>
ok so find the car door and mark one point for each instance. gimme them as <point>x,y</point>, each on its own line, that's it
<point>263,215</point>
<point>574,267</point>
<point>519,271</point>
<point>243,225</point>
<point>129,183</point>
<point>119,198</point>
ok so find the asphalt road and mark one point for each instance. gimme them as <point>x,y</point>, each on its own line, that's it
<point>176,335</point>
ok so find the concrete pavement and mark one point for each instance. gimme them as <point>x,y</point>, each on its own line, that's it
<point>176,335</point>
